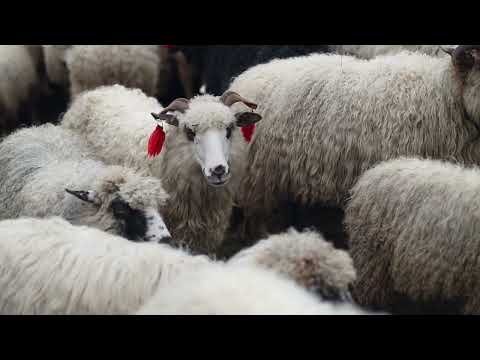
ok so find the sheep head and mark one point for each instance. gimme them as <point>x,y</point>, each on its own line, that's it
<point>207,123</point>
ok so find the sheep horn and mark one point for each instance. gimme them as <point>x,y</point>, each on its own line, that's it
<point>180,104</point>
<point>230,97</point>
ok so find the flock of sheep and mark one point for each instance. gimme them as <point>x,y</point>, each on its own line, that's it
<point>159,179</point>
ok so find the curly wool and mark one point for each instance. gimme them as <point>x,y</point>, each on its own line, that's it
<point>220,289</point>
<point>306,258</point>
<point>413,227</point>
<point>117,124</point>
<point>134,66</point>
<point>330,118</point>
<point>50,267</point>
<point>38,163</point>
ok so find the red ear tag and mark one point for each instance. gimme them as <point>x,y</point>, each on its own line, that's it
<point>248,131</point>
<point>155,143</point>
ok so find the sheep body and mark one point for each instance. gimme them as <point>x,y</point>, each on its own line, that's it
<point>306,258</point>
<point>117,124</point>
<point>39,163</point>
<point>134,66</point>
<point>222,289</point>
<point>330,118</point>
<point>413,228</point>
<point>49,266</point>
<point>371,51</point>
<point>19,82</point>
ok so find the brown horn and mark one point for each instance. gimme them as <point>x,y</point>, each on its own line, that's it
<point>180,104</point>
<point>230,97</point>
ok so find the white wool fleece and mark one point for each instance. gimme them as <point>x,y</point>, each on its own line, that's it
<point>52,267</point>
<point>221,289</point>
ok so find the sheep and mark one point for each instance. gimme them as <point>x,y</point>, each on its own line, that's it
<point>330,118</point>
<point>51,267</point>
<point>227,289</point>
<point>47,171</point>
<point>413,230</point>
<point>371,51</point>
<point>134,66</point>
<point>306,258</point>
<point>18,86</point>
<point>202,158</point>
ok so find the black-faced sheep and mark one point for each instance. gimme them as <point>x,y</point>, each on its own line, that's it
<point>201,159</point>
<point>330,118</point>
<point>47,171</point>
<point>413,228</point>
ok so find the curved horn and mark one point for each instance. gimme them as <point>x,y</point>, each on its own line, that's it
<point>230,97</point>
<point>180,104</point>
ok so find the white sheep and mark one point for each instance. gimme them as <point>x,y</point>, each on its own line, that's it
<point>134,66</point>
<point>227,289</point>
<point>48,266</point>
<point>330,118</point>
<point>19,82</point>
<point>307,259</point>
<point>413,228</point>
<point>201,159</point>
<point>47,171</point>
<point>86,67</point>
<point>371,51</point>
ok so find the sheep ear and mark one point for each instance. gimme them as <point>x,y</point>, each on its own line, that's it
<point>168,118</point>
<point>247,118</point>
<point>87,196</point>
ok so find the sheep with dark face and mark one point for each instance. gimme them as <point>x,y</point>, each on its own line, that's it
<point>47,171</point>
<point>330,118</point>
<point>199,146</point>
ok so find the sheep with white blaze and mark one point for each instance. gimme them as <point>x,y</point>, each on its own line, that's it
<point>48,171</point>
<point>227,289</point>
<point>413,228</point>
<point>330,118</point>
<point>50,267</point>
<point>201,152</point>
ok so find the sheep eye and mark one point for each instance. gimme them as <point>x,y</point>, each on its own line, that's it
<point>229,132</point>
<point>190,134</point>
<point>120,208</point>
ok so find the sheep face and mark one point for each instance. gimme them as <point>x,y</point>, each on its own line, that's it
<point>113,214</point>
<point>207,124</point>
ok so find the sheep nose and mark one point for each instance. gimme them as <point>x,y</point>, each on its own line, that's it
<point>219,170</point>
<point>165,240</point>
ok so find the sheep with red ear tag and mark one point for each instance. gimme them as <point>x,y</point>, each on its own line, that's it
<point>195,146</point>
